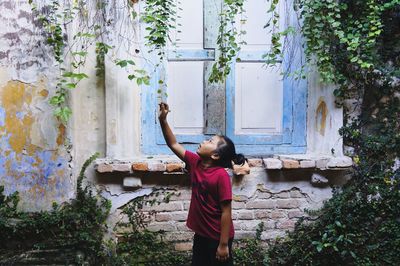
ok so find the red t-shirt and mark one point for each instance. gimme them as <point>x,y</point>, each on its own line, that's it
<point>210,187</point>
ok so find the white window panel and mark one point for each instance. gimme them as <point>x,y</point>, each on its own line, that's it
<point>258,99</point>
<point>185,96</point>
<point>191,18</point>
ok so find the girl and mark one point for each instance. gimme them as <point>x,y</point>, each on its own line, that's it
<point>210,212</point>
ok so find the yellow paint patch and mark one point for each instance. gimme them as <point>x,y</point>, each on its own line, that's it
<point>44,93</point>
<point>13,97</point>
<point>61,135</point>
<point>320,116</point>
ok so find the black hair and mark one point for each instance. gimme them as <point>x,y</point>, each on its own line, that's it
<point>227,153</point>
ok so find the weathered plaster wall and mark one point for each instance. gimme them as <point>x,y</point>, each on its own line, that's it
<point>34,159</point>
<point>324,119</point>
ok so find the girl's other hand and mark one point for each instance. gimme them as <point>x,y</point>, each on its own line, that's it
<point>222,252</point>
<point>164,110</point>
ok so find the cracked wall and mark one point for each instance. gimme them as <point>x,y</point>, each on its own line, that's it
<point>34,157</point>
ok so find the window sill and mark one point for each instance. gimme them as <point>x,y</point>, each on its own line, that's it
<point>172,165</point>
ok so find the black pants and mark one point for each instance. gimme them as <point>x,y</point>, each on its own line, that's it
<point>204,252</point>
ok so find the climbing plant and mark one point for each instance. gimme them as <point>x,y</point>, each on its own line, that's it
<point>71,50</point>
<point>77,226</point>
<point>138,245</point>
<point>355,46</point>
<point>229,39</point>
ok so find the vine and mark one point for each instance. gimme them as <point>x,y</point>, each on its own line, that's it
<point>55,19</point>
<point>227,41</point>
<point>78,225</point>
<point>160,16</point>
<point>138,245</point>
<point>355,46</point>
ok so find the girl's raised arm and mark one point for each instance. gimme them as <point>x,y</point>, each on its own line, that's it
<point>169,137</point>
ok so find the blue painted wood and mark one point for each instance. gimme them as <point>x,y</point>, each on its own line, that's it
<point>292,139</point>
<point>191,55</point>
<point>294,112</point>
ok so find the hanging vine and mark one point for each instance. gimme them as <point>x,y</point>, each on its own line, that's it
<point>227,41</point>
<point>355,47</point>
<point>70,52</point>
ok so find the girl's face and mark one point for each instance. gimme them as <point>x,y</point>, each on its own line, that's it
<point>207,148</point>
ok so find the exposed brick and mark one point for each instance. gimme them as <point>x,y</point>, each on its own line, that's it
<point>174,167</point>
<point>238,205</point>
<point>255,162</point>
<point>290,164</point>
<point>239,234</point>
<point>296,194</point>
<point>182,227</point>
<point>272,163</point>
<point>181,195</point>
<point>340,162</point>
<point>283,195</point>
<point>132,182</point>
<point>277,214</point>
<point>140,167</point>
<point>163,217</point>
<point>261,204</point>
<point>121,167</point>
<point>250,225</point>
<point>272,234</point>
<point>288,224</point>
<point>179,216</point>
<point>186,205</point>
<point>263,195</point>
<point>245,215</point>
<point>317,179</point>
<point>321,163</point>
<point>261,214</point>
<point>104,168</point>
<point>165,226</point>
<point>239,198</point>
<point>287,203</point>
<point>157,167</point>
<point>167,207</point>
<point>186,246</point>
<point>295,214</point>
<point>307,164</point>
<point>178,236</point>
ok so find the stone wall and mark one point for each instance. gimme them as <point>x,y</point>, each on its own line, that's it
<point>276,197</point>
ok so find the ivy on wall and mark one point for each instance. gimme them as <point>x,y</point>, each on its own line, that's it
<point>355,46</point>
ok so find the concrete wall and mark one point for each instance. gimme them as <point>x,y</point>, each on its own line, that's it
<point>41,159</point>
<point>34,150</point>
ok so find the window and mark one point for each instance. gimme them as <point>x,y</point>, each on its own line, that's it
<point>261,112</point>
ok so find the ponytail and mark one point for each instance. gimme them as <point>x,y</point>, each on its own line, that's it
<point>239,159</point>
<point>227,152</point>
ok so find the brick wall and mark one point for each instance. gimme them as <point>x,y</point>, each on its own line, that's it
<point>278,211</point>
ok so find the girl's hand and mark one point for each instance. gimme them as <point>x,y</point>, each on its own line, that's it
<point>222,252</point>
<point>164,110</point>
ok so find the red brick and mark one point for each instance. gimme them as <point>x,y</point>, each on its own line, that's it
<point>174,167</point>
<point>290,164</point>
<point>183,246</point>
<point>255,162</point>
<point>140,167</point>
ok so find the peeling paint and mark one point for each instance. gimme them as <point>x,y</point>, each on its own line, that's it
<point>28,163</point>
<point>320,116</point>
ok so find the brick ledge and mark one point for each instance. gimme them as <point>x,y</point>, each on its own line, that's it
<point>172,165</point>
